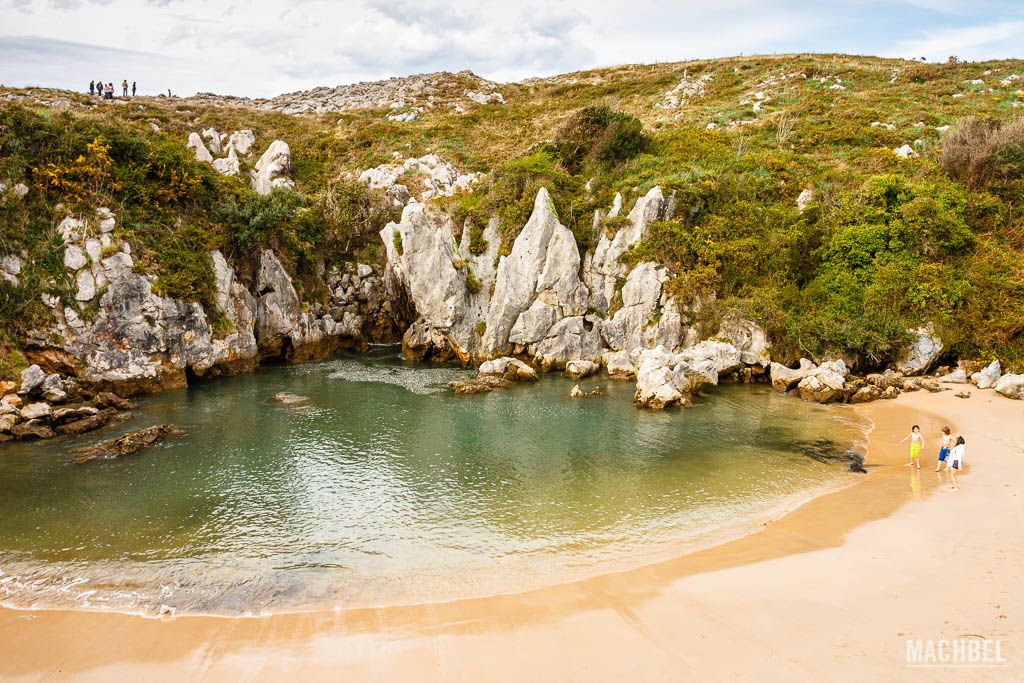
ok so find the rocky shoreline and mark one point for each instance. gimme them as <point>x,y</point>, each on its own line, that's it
<point>450,294</point>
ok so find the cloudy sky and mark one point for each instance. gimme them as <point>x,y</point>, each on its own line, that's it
<point>261,48</point>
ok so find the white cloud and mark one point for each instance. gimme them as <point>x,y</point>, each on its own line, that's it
<point>986,41</point>
<point>259,48</point>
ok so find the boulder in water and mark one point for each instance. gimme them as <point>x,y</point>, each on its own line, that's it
<point>127,444</point>
<point>508,368</point>
<point>478,385</point>
<point>578,369</point>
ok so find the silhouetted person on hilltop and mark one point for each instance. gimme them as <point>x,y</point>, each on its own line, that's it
<point>133,88</point>
<point>124,88</point>
<point>92,87</point>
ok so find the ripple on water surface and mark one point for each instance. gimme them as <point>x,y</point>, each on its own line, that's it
<point>383,487</point>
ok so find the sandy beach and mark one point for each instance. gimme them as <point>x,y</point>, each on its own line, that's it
<point>831,591</point>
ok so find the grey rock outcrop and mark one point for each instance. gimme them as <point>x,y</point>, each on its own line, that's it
<point>605,268</point>
<point>724,358</point>
<point>826,383</point>
<point>748,337</point>
<point>31,378</point>
<point>664,379</point>
<point>922,353</point>
<point>619,365</point>
<point>447,285</point>
<point>784,378</point>
<point>271,171</point>
<point>543,265</point>
<point>241,141</point>
<point>958,376</point>
<point>578,369</point>
<point>195,143</point>
<point>509,368</point>
<point>988,377</point>
<point>1011,386</point>
<point>140,341</point>
<point>10,268</point>
<point>228,165</point>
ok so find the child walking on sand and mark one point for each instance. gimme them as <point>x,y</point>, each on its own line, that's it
<point>956,462</point>
<point>916,444</point>
<point>945,446</point>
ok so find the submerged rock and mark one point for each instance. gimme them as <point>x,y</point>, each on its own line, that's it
<point>127,444</point>
<point>102,418</point>
<point>478,385</point>
<point>288,399</point>
<point>577,392</point>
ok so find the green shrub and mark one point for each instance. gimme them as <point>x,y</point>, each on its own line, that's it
<point>254,220</point>
<point>599,135</point>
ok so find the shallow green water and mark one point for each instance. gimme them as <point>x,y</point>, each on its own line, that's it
<point>385,488</point>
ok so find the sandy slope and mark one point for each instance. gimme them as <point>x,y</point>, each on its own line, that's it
<point>830,592</point>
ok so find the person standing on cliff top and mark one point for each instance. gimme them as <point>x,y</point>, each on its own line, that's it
<point>133,88</point>
<point>92,87</point>
<point>916,444</point>
<point>124,88</point>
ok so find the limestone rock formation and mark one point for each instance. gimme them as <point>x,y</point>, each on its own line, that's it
<point>241,141</point>
<point>724,358</point>
<point>958,376</point>
<point>1011,386</point>
<point>824,384</point>
<point>922,353</point>
<point>139,341</point>
<point>429,176</point>
<point>212,138</point>
<point>543,265</point>
<point>195,143</point>
<point>664,379</point>
<point>988,376</point>
<point>619,365</point>
<point>271,171</point>
<point>784,378</point>
<point>578,369</point>
<point>228,165</point>
<point>448,286</point>
<point>748,337</point>
<point>511,369</point>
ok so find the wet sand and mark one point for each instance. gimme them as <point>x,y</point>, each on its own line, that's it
<point>830,591</point>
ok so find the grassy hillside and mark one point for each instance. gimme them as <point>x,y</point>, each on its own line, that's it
<point>885,244</point>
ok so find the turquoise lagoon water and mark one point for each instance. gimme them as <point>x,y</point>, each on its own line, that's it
<point>385,488</point>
